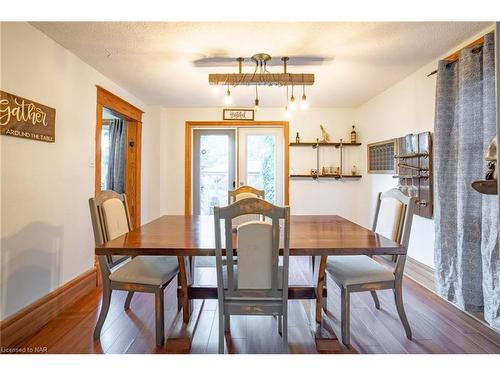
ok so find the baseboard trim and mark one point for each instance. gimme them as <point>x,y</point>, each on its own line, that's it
<point>420,273</point>
<point>28,321</point>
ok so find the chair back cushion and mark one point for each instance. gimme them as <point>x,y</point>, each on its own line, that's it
<point>115,218</point>
<point>389,218</point>
<point>255,243</point>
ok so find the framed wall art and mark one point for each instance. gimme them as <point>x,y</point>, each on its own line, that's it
<point>381,156</point>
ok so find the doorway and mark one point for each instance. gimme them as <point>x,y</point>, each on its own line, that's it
<point>113,155</point>
<point>118,150</point>
<point>221,156</point>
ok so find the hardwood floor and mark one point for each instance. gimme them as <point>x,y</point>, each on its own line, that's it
<point>437,326</point>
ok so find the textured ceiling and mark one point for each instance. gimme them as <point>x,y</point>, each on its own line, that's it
<point>154,60</point>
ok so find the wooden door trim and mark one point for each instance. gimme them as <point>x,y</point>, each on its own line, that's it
<point>190,125</point>
<point>114,102</point>
<point>132,114</point>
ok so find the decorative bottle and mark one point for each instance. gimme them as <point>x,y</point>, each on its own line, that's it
<point>297,138</point>
<point>353,135</point>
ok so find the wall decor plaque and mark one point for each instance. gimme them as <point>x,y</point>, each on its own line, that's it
<point>238,114</point>
<point>24,118</point>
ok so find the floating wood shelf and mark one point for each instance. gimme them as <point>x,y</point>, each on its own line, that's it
<point>335,177</point>
<point>334,144</point>
<point>489,187</point>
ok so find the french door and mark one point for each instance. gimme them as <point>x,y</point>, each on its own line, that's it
<point>261,157</point>
<point>226,158</point>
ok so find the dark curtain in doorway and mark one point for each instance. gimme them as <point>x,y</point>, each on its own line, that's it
<point>466,222</point>
<point>116,165</point>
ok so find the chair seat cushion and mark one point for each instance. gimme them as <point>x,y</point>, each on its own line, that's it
<point>149,270</point>
<point>357,269</point>
<point>224,276</point>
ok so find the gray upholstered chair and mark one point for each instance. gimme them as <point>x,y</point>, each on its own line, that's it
<point>150,274</point>
<point>360,273</point>
<point>258,284</point>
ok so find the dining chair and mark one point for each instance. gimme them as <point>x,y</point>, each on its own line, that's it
<point>150,274</point>
<point>258,284</point>
<point>240,193</point>
<point>360,273</point>
<point>244,191</point>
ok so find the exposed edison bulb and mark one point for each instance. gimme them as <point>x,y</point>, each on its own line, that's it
<point>227,98</point>
<point>256,106</point>
<point>287,111</point>
<point>292,104</point>
<point>304,104</point>
<point>216,90</point>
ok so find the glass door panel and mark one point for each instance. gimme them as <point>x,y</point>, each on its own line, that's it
<point>213,168</point>
<point>261,161</point>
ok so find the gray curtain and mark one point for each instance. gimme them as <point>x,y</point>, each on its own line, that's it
<point>117,147</point>
<point>466,222</point>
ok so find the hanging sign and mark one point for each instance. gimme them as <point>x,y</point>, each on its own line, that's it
<point>238,114</point>
<point>23,118</point>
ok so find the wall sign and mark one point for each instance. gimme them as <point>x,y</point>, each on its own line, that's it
<point>238,114</point>
<point>23,118</point>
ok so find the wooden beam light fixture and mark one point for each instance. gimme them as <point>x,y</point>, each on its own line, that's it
<point>262,77</point>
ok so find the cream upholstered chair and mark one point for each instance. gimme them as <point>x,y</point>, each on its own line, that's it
<point>244,192</point>
<point>150,274</point>
<point>258,284</point>
<point>359,273</point>
<point>240,193</point>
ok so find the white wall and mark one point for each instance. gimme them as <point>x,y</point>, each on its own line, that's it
<point>406,107</point>
<point>306,196</point>
<point>150,164</point>
<point>46,234</point>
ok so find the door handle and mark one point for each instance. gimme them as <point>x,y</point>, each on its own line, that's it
<point>234,184</point>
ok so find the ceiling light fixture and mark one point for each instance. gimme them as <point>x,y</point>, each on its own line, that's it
<point>227,97</point>
<point>287,109</point>
<point>304,104</point>
<point>261,77</point>
<point>293,104</point>
<point>256,107</point>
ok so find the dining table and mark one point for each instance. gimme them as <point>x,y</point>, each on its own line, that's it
<point>184,236</point>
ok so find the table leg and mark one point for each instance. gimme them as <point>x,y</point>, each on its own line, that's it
<point>324,336</point>
<point>320,277</point>
<point>184,281</point>
<point>183,328</point>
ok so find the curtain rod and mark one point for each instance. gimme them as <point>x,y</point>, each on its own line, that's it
<point>456,55</point>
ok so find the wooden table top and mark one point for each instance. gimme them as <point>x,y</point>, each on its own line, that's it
<point>194,236</point>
